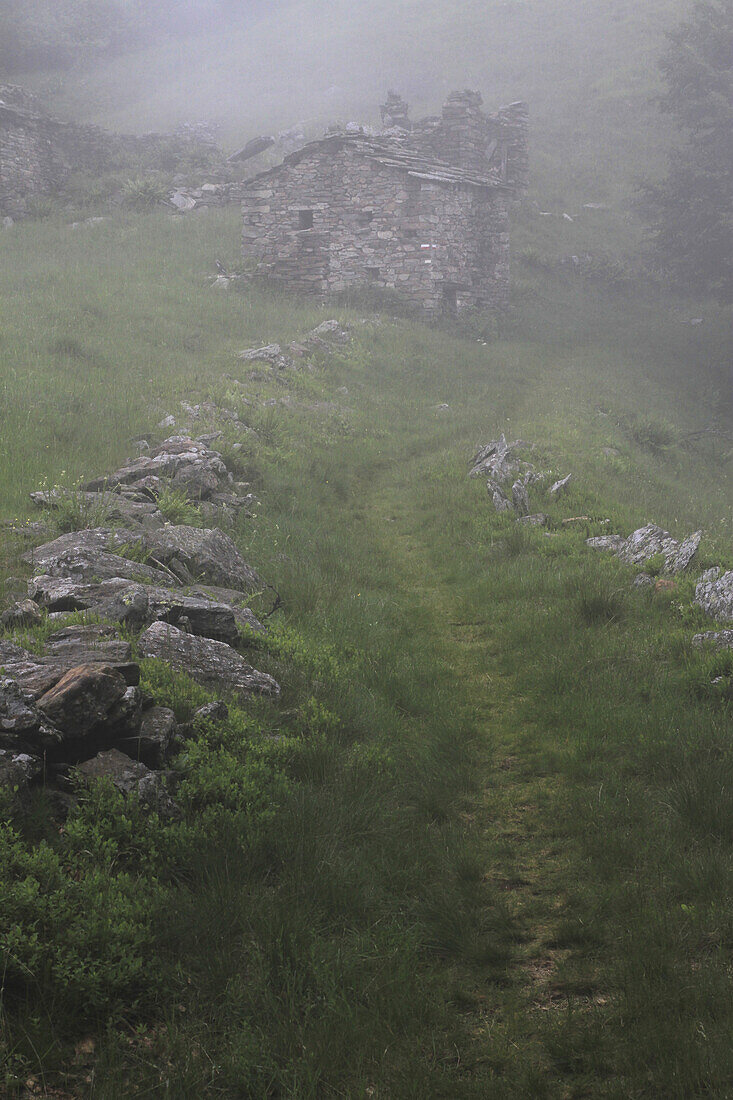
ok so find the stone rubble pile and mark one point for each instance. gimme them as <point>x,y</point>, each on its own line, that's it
<point>75,712</point>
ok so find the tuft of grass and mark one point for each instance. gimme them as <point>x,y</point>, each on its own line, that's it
<point>178,508</point>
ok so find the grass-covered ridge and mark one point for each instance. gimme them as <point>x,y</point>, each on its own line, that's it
<point>482,846</point>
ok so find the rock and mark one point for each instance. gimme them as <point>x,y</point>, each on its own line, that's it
<point>8,222</point>
<point>520,498</point>
<point>612,543</point>
<point>720,639</point>
<point>686,552</point>
<point>18,769</point>
<point>649,541</point>
<point>715,596</point>
<point>22,613</point>
<point>496,459</point>
<point>500,500</point>
<point>37,675</point>
<point>208,556</point>
<point>98,565</point>
<point>328,330</point>
<point>83,698</point>
<point>212,663</point>
<point>217,711</point>
<point>153,740</point>
<point>167,422</point>
<point>22,725</point>
<point>242,615</point>
<point>221,282</point>
<point>556,489</point>
<point>169,460</point>
<point>643,580</point>
<point>107,506</point>
<point>86,644</point>
<point>710,575</point>
<point>131,778</point>
<point>135,605</point>
<point>539,519</point>
<point>117,600</point>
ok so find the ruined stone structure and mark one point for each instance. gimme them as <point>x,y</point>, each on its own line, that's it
<point>38,153</point>
<point>421,209</point>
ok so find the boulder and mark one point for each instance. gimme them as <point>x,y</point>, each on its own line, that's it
<point>647,542</point>
<point>217,711</point>
<point>20,614</point>
<point>538,519</point>
<point>272,354</point>
<point>243,616</point>
<point>715,596</point>
<point>207,556</point>
<point>500,500</point>
<point>96,565</point>
<point>153,738</point>
<point>331,330</point>
<point>170,460</point>
<point>211,663</point>
<point>84,697</point>
<point>720,639</point>
<point>131,778</point>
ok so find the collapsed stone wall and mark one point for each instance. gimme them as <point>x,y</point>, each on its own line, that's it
<point>333,221</point>
<point>38,153</point>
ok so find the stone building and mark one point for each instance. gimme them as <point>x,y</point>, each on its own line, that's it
<point>421,209</point>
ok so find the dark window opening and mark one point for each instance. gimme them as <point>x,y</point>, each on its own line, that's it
<point>305,219</point>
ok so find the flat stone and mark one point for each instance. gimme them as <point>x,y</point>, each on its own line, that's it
<point>116,600</point>
<point>95,642</point>
<point>538,519</point>
<point>212,663</point>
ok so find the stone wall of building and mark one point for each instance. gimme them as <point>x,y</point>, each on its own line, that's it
<point>332,221</point>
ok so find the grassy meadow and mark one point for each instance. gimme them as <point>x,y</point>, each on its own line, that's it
<point>483,844</point>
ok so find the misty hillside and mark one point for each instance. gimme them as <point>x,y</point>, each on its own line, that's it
<point>588,70</point>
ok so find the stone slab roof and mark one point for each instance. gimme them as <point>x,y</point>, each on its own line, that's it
<point>392,153</point>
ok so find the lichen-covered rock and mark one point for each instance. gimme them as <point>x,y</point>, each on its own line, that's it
<point>499,499</point>
<point>22,725</point>
<point>520,498</point>
<point>180,458</point>
<point>720,639</point>
<point>538,519</point>
<point>212,663</point>
<point>84,644</point>
<point>496,460</point>
<point>650,542</point>
<point>715,596</point>
<point>131,778</point>
<point>208,556</point>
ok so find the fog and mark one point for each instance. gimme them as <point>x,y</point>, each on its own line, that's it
<point>588,71</point>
